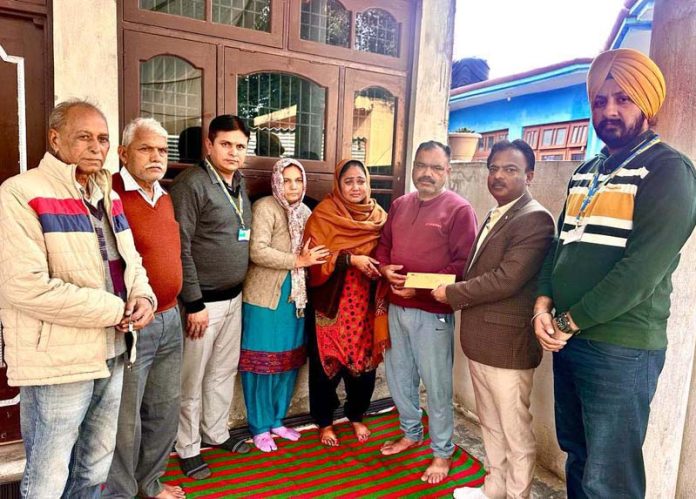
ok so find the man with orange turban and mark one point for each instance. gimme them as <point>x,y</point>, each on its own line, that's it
<point>604,292</point>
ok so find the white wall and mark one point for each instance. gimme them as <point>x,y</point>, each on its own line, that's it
<point>85,58</point>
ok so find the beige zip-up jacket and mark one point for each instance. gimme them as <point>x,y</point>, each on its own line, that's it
<point>270,252</point>
<point>53,304</point>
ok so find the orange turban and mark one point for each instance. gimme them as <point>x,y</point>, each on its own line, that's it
<point>634,72</point>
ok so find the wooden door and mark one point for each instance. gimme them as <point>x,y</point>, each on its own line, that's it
<point>25,92</point>
<point>173,81</point>
<point>289,102</point>
<point>374,122</point>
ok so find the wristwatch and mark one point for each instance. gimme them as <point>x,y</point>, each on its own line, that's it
<point>562,322</point>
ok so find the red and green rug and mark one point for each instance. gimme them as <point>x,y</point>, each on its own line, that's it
<point>308,469</point>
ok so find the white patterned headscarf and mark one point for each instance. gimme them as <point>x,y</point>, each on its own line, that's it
<point>297,217</point>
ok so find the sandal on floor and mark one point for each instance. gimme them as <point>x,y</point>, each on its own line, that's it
<point>286,433</point>
<point>231,445</point>
<point>195,467</point>
<point>264,442</point>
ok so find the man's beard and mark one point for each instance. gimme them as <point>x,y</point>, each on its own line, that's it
<point>621,136</point>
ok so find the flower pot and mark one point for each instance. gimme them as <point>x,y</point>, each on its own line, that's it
<point>463,145</point>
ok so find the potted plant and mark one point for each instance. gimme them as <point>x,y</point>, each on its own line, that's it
<point>463,143</point>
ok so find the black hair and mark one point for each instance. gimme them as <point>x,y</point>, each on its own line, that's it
<point>517,144</point>
<point>434,144</point>
<point>352,162</point>
<point>190,144</point>
<point>227,123</point>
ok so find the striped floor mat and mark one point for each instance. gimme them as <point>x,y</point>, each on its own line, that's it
<point>308,469</point>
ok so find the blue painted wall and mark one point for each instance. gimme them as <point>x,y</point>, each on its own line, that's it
<point>553,106</point>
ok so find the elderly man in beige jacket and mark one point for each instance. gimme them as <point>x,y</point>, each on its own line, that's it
<point>72,294</point>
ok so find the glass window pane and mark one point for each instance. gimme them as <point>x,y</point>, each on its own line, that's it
<point>194,9</point>
<point>552,157</point>
<point>325,21</point>
<point>285,114</point>
<point>560,136</point>
<point>377,31</point>
<point>546,137</point>
<point>532,139</point>
<point>171,92</point>
<point>250,14</point>
<point>374,117</point>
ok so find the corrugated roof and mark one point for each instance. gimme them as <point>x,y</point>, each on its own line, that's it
<point>519,76</point>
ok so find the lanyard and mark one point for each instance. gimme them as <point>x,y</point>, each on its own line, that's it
<point>596,186</point>
<point>238,210</point>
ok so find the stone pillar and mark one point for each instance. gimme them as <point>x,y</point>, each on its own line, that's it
<point>432,73</point>
<point>672,430</point>
<point>85,59</point>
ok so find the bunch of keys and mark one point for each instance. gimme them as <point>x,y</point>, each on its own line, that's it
<point>134,340</point>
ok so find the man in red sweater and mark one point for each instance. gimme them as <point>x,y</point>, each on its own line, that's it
<point>430,230</point>
<point>149,414</point>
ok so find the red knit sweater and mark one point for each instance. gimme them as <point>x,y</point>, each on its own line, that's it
<point>156,235</point>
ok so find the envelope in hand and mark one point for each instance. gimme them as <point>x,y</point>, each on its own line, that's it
<point>421,280</point>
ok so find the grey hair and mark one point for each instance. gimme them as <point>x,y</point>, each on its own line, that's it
<point>59,115</point>
<point>149,124</point>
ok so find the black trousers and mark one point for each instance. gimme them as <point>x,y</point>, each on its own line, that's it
<point>323,400</point>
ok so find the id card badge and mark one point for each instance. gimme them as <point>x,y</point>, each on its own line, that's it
<point>574,235</point>
<point>244,234</point>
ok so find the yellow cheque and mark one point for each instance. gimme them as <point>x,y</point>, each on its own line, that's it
<point>428,281</point>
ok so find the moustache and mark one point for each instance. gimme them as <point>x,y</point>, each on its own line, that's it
<point>428,180</point>
<point>495,185</point>
<point>605,123</point>
<point>157,165</point>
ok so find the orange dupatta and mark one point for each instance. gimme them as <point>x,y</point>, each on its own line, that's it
<point>341,225</point>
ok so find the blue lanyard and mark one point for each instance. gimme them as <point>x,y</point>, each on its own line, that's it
<point>595,186</point>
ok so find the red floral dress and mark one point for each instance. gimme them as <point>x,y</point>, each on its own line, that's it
<point>348,339</point>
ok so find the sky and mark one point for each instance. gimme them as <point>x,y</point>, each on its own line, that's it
<point>518,35</point>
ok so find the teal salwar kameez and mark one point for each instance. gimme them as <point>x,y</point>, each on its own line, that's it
<point>273,349</point>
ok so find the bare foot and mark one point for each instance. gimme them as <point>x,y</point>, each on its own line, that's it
<point>390,448</point>
<point>437,471</point>
<point>361,431</point>
<point>328,437</point>
<point>171,492</point>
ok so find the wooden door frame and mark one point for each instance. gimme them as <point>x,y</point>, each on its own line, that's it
<point>274,38</point>
<point>399,9</point>
<point>200,55</point>
<point>356,80</point>
<point>240,62</point>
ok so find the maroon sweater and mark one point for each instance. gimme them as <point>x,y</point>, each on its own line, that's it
<point>432,236</point>
<point>156,235</point>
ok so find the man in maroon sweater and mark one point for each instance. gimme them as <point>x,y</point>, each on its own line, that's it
<point>149,414</point>
<point>430,231</point>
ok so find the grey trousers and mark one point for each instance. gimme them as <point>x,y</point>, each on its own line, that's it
<point>422,349</point>
<point>208,378</point>
<point>149,412</point>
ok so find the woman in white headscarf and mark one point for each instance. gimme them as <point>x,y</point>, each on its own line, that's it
<point>275,296</point>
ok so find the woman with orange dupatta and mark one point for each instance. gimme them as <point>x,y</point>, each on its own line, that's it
<point>347,346</point>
